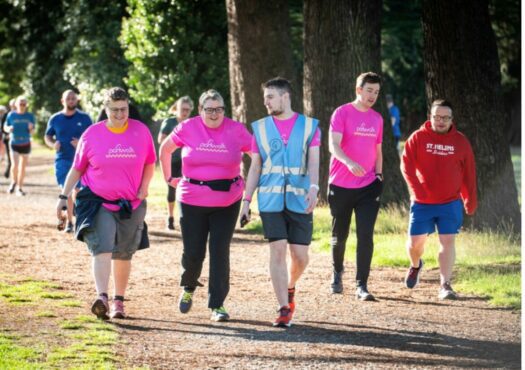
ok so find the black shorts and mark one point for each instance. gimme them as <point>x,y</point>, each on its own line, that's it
<point>294,227</point>
<point>21,149</point>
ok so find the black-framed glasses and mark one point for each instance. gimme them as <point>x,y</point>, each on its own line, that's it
<point>445,119</point>
<point>217,110</point>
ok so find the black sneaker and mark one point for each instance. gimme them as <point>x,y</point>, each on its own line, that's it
<point>362,294</point>
<point>11,189</point>
<point>185,301</point>
<point>412,277</point>
<point>337,284</point>
<point>171,223</point>
<point>446,292</point>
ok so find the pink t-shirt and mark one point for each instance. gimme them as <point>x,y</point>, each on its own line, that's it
<point>285,127</point>
<point>112,164</point>
<point>361,131</point>
<point>210,154</point>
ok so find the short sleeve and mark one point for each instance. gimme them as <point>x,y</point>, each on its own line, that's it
<point>245,138</point>
<point>379,138</point>
<point>81,161</point>
<point>50,130</point>
<point>178,134</point>
<point>337,123</point>
<point>316,140</point>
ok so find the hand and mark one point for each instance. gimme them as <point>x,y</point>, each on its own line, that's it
<point>74,142</point>
<point>245,212</point>
<point>173,181</point>
<point>142,194</point>
<point>57,145</point>
<point>356,169</point>
<point>311,199</point>
<point>61,208</point>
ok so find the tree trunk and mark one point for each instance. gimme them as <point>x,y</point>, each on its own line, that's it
<point>259,47</point>
<point>462,66</point>
<point>342,40</point>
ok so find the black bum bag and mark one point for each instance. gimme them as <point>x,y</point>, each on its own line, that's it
<point>216,185</point>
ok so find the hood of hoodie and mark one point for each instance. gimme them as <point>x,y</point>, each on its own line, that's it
<point>427,127</point>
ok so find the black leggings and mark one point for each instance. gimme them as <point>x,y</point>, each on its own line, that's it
<point>196,224</point>
<point>176,171</point>
<point>365,202</point>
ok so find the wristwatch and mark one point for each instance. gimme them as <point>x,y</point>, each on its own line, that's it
<point>380,176</point>
<point>62,196</point>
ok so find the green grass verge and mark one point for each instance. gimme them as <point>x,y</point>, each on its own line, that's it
<point>78,341</point>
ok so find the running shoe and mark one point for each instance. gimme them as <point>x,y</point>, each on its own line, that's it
<point>284,320</point>
<point>171,223</point>
<point>362,294</point>
<point>446,292</point>
<point>185,301</point>
<point>20,193</point>
<point>11,189</point>
<point>219,314</point>
<point>100,307</point>
<point>337,283</point>
<point>412,277</point>
<point>69,228</point>
<point>291,299</point>
<point>117,310</point>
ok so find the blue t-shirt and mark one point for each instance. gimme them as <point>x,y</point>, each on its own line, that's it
<point>20,122</point>
<point>65,128</point>
<point>394,113</point>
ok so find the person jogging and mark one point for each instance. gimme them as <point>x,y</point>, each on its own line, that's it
<point>439,168</point>
<point>63,131</point>
<point>285,172</point>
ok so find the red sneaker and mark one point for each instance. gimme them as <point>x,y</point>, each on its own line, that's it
<point>291,299</point>
<point>284,320</point>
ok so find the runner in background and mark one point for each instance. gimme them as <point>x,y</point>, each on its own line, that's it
<point>179,111</point>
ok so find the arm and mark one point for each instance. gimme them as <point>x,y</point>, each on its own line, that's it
<point>161,137</point>
<point>50,142</point>
<point>251,184</point>
<point>313,172</point>
<point>72,178</point>
<point>379,160</point>
<point>166,148</point>
<point>393,120</point>
<point>334,140</point>
<point>408,169</point>
<point>147,175</point>
<point>468,189</point>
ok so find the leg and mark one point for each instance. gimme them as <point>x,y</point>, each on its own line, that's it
<point>366,212</point>
<point>15,157</point>
<point>195,229</point>
<point>8,156</point>
<point>341,211</point>
<point>298,263</point>
<point>415,248</point>
<point>101,267</point>
<point>121,272</point>
<point>22,170</point>
<point>222,225</point>
<point>279,271</point>
<point>446,256</point>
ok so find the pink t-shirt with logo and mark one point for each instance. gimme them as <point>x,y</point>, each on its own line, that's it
<point>112,164</point>
<point>285,127</point>
<point>210,154</point>
<point>361,131</point>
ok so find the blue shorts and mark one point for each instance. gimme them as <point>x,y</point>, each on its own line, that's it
<point>447,217</point>
<point>62,167</point>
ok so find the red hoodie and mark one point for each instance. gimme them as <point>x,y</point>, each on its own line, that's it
<point>440,168</point>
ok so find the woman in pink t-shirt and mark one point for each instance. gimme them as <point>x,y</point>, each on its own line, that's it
<point>209,194</point>
<point>115,160</point>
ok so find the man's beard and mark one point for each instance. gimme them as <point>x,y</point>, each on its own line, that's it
<point>71,107</point>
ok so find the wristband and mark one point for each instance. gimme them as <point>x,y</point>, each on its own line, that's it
<point>315,186</point>
<point>62,196</point>
<point>247,199</point>
<point>380,175</point>
<point>169,179</point>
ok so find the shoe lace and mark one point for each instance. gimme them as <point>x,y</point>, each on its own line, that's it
<point>118,305</point>
<point>284,311</point>
<point>447,286</point>
<point>412,273</point>
<point>186,297</point>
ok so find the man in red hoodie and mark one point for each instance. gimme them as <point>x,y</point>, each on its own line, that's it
<point>438,166</point>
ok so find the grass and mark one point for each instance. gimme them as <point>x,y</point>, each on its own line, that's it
<point>71,341</point>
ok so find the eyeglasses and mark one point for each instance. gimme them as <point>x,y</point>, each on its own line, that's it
<point>445,119</point>
<point>217,110</point>
<point>117,110</point>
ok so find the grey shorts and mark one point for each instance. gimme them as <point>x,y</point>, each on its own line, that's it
<point>116,236</point>
<point>294,227</point>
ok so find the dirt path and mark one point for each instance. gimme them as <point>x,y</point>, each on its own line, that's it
<point>403,329</point>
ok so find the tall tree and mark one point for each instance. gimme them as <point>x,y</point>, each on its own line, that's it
<point>461,65</point>
<point>259,48</point>
<point>341,41</point>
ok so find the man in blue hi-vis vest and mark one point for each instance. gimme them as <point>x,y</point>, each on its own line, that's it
<point>285,170</point>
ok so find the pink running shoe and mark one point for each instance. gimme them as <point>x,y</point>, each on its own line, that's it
<point>117,310</point>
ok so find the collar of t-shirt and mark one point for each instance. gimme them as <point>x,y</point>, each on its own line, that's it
<point>118,130</point>
<point>285,126</point>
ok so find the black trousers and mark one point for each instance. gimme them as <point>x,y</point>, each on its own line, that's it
<point>197,224</point>
<point>365,202</point>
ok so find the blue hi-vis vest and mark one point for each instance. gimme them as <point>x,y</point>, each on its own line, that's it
<point>284,180</point>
